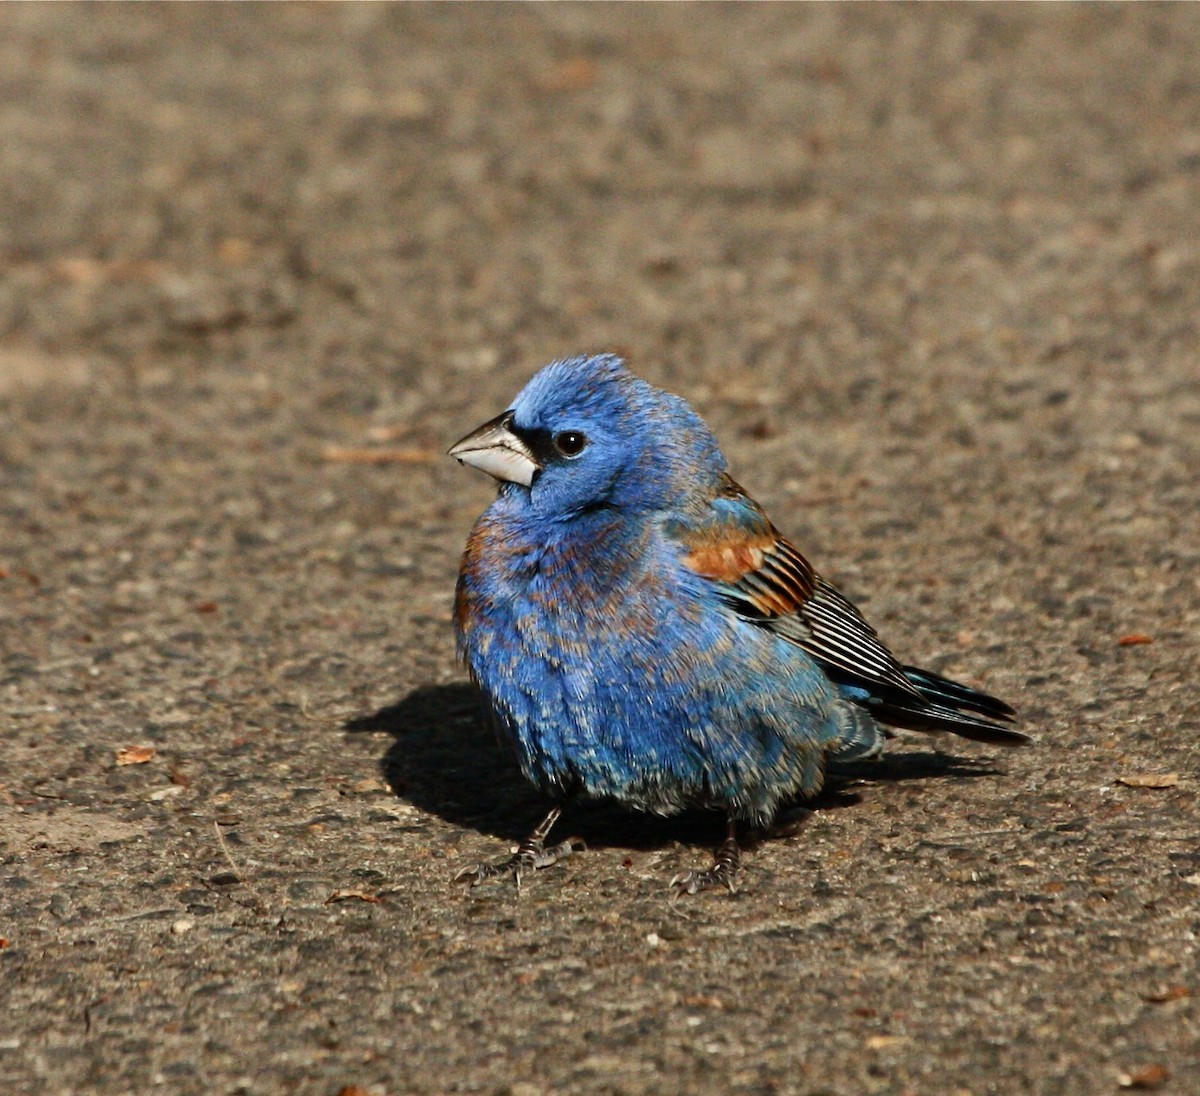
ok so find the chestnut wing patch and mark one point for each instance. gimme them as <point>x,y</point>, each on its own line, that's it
<point>769,578</point>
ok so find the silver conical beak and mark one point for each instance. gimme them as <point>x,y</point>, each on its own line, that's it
<point>496,450</point>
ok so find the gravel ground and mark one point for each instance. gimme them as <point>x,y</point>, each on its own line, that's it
<point>933,274</point>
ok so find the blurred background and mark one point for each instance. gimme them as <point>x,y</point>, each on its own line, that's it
<point>933,275</point>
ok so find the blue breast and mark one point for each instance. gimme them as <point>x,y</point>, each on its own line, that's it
<point>619,673</point>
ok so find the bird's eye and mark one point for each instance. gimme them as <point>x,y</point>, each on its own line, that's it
<point>570,443</point>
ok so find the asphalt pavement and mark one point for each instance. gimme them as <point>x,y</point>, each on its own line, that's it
<point>933,275</point>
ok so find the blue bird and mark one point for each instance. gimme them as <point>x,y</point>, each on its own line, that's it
<point>641,631</point>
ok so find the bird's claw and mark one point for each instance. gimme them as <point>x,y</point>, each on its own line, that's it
<point>693,882</point>
<point>531,855</point>
<point>726,865</point>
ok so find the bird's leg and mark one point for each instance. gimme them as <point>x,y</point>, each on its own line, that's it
<point>531,854</point>
<point>726,864</point>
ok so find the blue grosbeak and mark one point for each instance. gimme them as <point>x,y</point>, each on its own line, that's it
<point>641,631</point>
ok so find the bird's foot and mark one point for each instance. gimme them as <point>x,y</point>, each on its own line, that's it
<point>727,864</point>
<point>531,855</point>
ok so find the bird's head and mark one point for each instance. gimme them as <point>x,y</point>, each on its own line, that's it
<point>586,433</point>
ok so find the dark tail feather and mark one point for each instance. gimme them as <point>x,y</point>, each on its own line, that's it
<point>917,716</point>
<point>945,705</point>
<point>941,690</point>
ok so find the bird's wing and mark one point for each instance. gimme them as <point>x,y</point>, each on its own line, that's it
<point>763,578</point>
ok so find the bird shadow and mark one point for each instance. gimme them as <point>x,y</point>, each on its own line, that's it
<point>445,760</point>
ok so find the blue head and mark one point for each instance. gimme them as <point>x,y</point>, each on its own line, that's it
<point>586,433</point>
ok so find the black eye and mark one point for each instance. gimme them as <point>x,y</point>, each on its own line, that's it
<point>570,443</point>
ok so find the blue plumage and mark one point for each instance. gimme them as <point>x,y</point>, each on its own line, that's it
<point>641,631</point>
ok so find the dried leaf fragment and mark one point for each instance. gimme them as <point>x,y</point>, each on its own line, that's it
<point>352,895</point>
<point>234,251</point>
<point>383,455</point>
<point>135,755</point>
<point>368,785</point>
<point>1148,1077</point>
<point>1149,780</point>
<point>574,74</point>
<point>1171,993</point>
